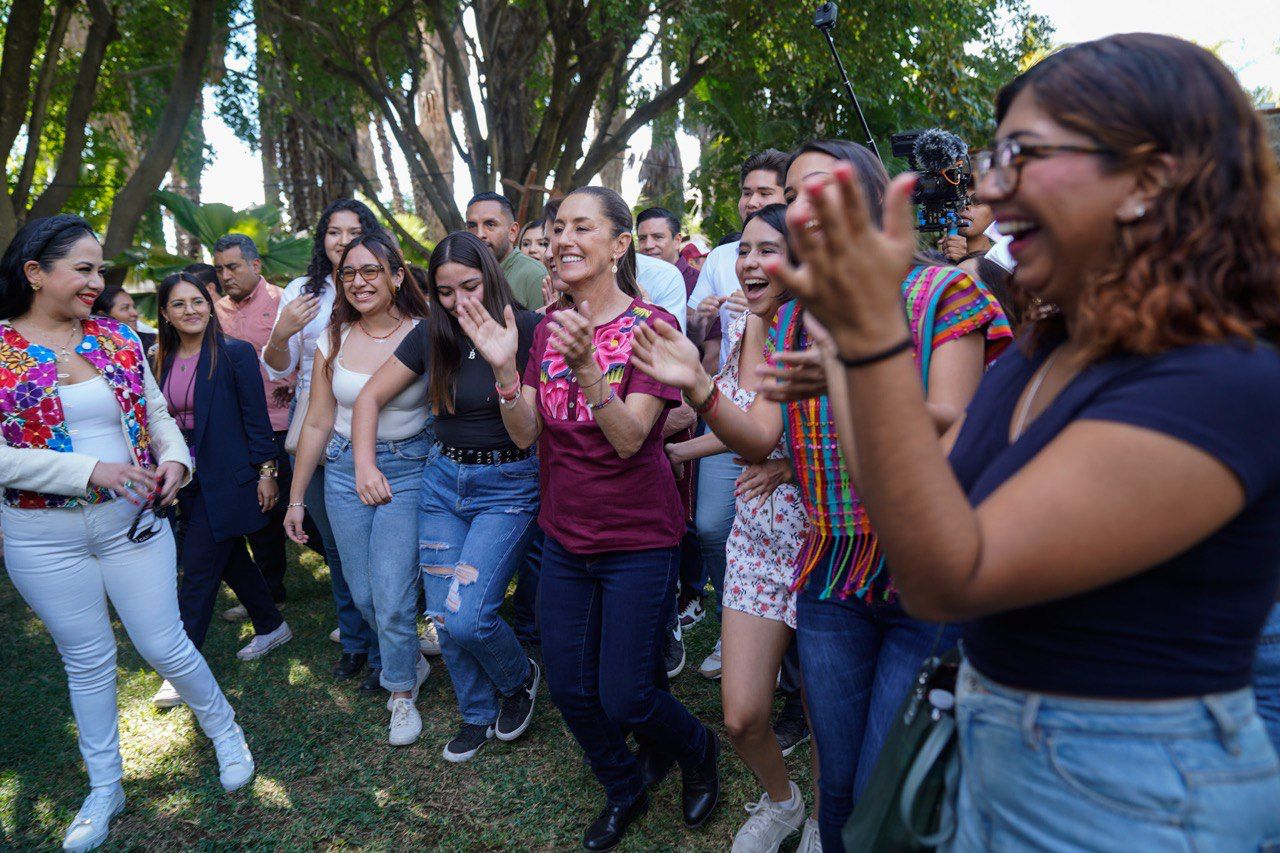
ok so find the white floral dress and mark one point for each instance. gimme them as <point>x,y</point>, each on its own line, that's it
<point>767,532</point>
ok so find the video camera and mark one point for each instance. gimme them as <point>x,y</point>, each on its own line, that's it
<point>945,178</point>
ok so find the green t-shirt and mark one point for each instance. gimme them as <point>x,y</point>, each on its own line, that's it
<point>524,275</point>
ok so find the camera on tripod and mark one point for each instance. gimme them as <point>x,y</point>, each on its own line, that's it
<point>944,181</point>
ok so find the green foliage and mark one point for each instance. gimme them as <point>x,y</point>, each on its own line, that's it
<point>283,256</point>
<point>912,64</point>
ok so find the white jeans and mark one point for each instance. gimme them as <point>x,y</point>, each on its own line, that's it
<point>66,564</point>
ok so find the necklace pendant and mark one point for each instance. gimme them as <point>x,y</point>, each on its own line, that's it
<point>472,355</point>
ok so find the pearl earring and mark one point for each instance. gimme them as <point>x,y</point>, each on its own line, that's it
<point>1140,211</point>
<point>614,268</point>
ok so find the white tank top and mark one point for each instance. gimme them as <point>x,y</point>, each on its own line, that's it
<point>404,416</point>
<point>93,419</point>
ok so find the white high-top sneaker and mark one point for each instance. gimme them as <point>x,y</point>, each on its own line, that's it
<point>769,824</point>
<point>235,762</point>
<point>93,821</point>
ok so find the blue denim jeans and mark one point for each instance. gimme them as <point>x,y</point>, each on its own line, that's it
<point>524,602</point>
<point>717,481</point>
<point>474,523</point>
<point>602,617</point>
<point>1266,676</point>
<point>379,547</point>
<point>857,663</point>
<point>1042,772</point>
<point>356,635</point>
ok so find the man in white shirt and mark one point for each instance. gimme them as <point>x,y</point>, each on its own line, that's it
<point>764,174</point>
<point>663,285</point>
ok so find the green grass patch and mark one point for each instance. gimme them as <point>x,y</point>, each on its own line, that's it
<point>326,777</point>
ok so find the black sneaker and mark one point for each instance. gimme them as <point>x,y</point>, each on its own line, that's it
<point>790,728</point>
<point>517,709</point>
<point>467,742</point>
<point>673,654</point>
<point>373,682</point>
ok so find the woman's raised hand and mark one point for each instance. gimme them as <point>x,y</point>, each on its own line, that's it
<point>574,336</point>
<point>663,352</point>
<point>496,343</point>
<point>850,271</point>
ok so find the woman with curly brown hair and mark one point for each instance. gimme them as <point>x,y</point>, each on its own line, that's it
<point>1109,524</point>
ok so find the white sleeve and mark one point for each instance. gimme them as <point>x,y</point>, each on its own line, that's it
<point>670,295</point>
<point>291,293</point>
<point>50,472</point>
<point>704,287</point>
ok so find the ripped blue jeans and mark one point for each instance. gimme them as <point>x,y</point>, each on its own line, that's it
<point>474,526</point>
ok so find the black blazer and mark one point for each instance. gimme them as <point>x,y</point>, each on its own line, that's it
<point>232,437</point>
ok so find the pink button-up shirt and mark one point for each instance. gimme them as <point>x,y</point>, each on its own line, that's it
<point>251,320</point>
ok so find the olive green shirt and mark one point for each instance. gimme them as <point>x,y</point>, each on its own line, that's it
<point>524,276</point>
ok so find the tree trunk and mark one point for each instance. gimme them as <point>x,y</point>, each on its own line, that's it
<point>434,129</point>
<point>364,154</point>
<point>40,103</point>
<point>132,200</point>
<point>102,31</point>
<point>188,246</point>
<point>384,148</point>
<point>611,174</point>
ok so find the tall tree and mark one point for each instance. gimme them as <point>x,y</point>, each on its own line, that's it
<point>538,70</point>
<point>133,199</point>
<point>912,65</point>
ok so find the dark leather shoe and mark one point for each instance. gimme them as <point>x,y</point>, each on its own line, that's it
<point>373,681</point>
<point>655,764</point>
<point>701,790</point>
<point>606,831</point>
<point>349,666</point>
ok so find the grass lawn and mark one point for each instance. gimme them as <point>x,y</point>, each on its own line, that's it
<point>326,776</point>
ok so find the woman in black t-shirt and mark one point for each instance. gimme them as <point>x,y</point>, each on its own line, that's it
<point>479,497</point>
<point>1108,528</point>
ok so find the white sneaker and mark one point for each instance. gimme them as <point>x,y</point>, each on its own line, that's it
<point>166,696</point>
<point>810,838</point>
<point>335,636</point>
<point>93,821</point>
<point>406,724</point>
<point>769,824</point>
<point>710,668</point>
<point>429,641</point>
<point>235,762</point>
<point>236,614</point>
<point>263,643</point>
<point>420,673</point>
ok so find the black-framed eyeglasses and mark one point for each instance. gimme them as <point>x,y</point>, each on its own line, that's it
<point>1004,163</point>
<point>368,272</point>
<point>137,533</point>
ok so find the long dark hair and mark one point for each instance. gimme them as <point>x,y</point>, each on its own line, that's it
<point>320,266</point>
<point>167,338</point>
<point>1204,262</point>
<point>407,298</point>
<point>43,240</point>
<point>465,248</point>
<point>619,215</point>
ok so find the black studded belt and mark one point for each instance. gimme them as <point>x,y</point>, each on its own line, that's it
<point>464,456</point>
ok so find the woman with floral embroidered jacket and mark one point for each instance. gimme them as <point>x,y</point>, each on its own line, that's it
<point>89,453</point>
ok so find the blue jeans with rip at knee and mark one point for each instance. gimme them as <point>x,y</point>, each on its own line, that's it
<point>474,526</point>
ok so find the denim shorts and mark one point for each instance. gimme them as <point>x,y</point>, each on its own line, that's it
<point>1044,772</point>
